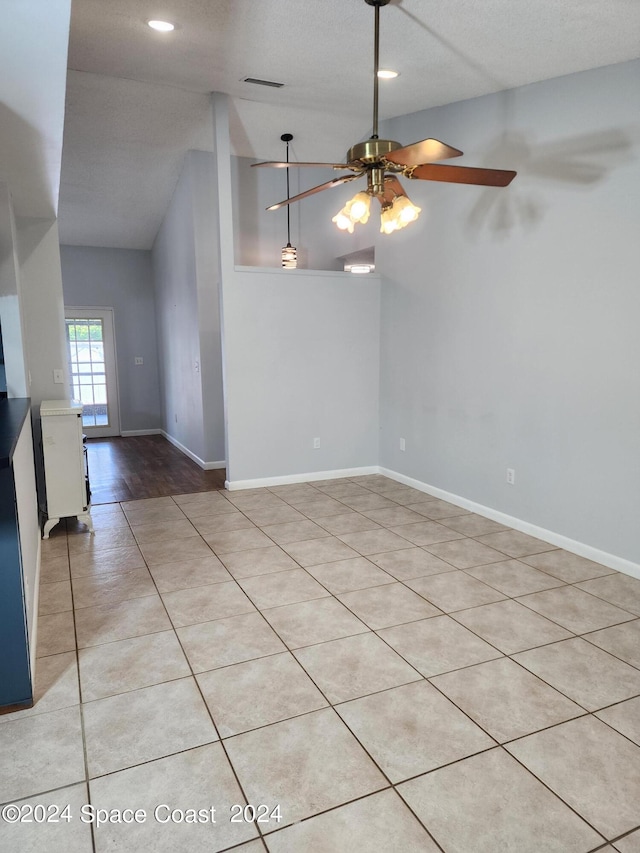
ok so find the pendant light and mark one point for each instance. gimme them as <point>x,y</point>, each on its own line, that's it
<point>289,252</point>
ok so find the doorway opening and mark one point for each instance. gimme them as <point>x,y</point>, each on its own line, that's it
<point>92,369</point>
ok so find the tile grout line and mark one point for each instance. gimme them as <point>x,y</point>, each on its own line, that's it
<point>500,744</point>
<point>423,678</point>
<point>550,789</point>
<point>329,706</point>
<point>198,688</point>
<point>85,758</point>
<point>480,637</point>
<point>290,651</point>
<point>206,705</point>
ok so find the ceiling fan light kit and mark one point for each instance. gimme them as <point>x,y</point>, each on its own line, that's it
<point>398,214</point>
<point>382,160</point>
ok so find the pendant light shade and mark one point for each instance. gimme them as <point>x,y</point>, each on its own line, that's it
<point>289,257</point>
<point>289,253</point>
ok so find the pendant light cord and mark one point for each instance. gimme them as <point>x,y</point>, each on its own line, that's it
<point>288,206</point>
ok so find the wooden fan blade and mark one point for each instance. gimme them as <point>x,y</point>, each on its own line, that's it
<point>392,189</point>
<point>328,185</point>
<point>283,165</point>
<point>425,151</point>
<point>463,175</point>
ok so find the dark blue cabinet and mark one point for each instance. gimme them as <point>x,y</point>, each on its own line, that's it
<point>15,670</point>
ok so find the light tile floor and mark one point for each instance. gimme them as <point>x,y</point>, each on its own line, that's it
<point>393,672</point>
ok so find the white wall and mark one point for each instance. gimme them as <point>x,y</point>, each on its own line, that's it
<point>302,361</point>
<point>31,312</point>
<point>510,317</point>
<point>42,305</point>
<point>207,257</point>
<point>121,279</point>
<point>29,524</point>
<point>33,72</point>
<point>43,309</point>
<point>33,59</point>
<point>173,260</point>
<point>184,266</point>
<point>15,357</point>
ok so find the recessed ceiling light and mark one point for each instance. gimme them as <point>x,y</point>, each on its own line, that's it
<point>387,74</point>
<point>161,26</point>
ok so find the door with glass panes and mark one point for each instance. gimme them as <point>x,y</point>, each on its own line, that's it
<point>92,368</point>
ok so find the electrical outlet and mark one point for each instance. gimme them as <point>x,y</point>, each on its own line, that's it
<point>511,476</point>
<point>403,446</point>
<point>139,360</point>
<point>316,443</point>
<point>58,376</point>
<point>197,366</point>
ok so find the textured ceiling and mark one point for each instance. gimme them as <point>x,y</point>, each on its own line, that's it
<point>137,99</point>
<point>32,86</point>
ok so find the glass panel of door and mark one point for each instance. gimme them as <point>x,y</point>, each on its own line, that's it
<point>85,340</point>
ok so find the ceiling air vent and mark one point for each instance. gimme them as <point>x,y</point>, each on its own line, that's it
<point>263,82</point>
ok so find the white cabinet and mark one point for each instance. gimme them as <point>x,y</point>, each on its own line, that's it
<point>65,466</point>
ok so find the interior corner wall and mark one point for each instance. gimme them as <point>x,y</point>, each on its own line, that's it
<point>185,290</point>
<point>11,314</point>
<point>174,272</point>
<point>207,254</point>
<point>43,306</point>
<point>510,317</point>
<point>121,279</point>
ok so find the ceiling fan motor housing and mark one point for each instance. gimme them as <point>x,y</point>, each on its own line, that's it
<point>371,150</point>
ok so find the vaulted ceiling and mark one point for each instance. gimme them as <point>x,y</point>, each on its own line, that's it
<point>138,99</point>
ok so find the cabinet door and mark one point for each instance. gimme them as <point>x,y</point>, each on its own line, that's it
<point>64,465</point>
<point>15,673</point>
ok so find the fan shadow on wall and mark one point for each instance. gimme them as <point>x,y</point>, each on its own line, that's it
<point>579,161</point>
<point>575,162</point>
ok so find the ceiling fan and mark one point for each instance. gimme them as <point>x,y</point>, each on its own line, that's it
<point>382,160</point>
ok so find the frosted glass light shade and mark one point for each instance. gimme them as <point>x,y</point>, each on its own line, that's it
<point>406,210</point>
<point>343,220</point>
<point>359,207</point>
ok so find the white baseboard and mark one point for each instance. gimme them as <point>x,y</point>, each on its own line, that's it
<point>125,433</point>
<point>612,561</point>
<point>233,485</point>
<point>206,466</point>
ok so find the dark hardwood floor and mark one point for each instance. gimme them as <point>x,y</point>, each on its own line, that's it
<point>146,466</point>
